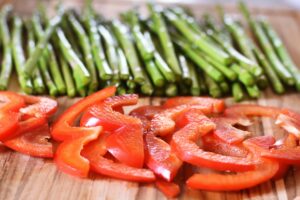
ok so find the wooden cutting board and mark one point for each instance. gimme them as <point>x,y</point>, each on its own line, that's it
<point>24,177</point>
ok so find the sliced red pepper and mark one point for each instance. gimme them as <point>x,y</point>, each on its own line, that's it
<point>262,144</point>
<point>103,114</point>
<point>229,182</point>
<point>11,101</point>
<point>184,143</point>
<point>63,128</point>
<point>227,132</point>
<point>126,140</point>
<point>95,151</point>
<point>252,110</point>
<point>289,123</point>
<point>126,144</point>
<point>163,123</point>
<point>38,106</point>
<point>215,105</point>
<point>146,114</point>
<point>160,158</point>
<point>169,189</point>
<point>214,144</point>
<point>68,154</point>
<point>33,141</point>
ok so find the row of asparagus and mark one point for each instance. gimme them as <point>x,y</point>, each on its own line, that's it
<point>167,54</point>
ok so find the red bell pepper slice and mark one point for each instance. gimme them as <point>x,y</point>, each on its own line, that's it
<point>126,140</point>
<point>184,143</point>
<point>163,123</point>
<point>160,158</point>
<point>63,128</point>
<point>252,110</point>
<point>95,152</point>
<point>229,182</point>
<point>68,154</point>
<point>146,114</point>
<point>102,114</point>
<point>38,106</point>
<point>214,144</point>
<point>11,101</point>
<point>290,122</point>
<point>227,132</point>
<point>34,139</point>
<point>215,105</point>
<point>169,189</point>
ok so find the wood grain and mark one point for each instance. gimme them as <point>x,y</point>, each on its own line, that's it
<point>24,177</point>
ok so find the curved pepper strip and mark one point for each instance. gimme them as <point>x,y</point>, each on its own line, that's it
<point>169,189</point>
<point>163,123</point>
<point>184,143</point>
<point>227,132</point>
<point>230,182</point>
<point>68,154</point>
<point>146,114</point>
<point>95,152</point>
<point>34,139</point>
<point>215,105</point>
<point>214,144</point>
<point>159,156</point>
<point>63,128</point>
<point>38,107</point>
<point>10,103</point>
<point>126,139</point>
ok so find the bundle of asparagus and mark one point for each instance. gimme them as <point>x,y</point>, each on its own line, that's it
<point>167,54</point>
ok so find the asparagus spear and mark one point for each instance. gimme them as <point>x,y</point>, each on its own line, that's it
<point>111,53</point>
<point>155,75</point>
<point>70,85</point>
<point>80,73</point>
<point>200,62</point>
<point>224,86</point>
<point>42,64</point>
<point>38,83</point>
<point>87,52</point>
<point>213,88</point>
<point>282,52</point>
<point>19,57</point>
<point>171,90</point>
<point>211,50</point>
<point>146,49</point>
<point>272,76</point>
<point>123,66</point>
<point>127,45</point>
<point>6,65</point>
<point>147,87</point>
<point>53,66</point>
<point>244,76</point>
<point>253,91</point>
<point>163,67</point>
<point>105,72</point>
<point>194,88</point>
<point>42,43</point>
<point>228,73</point>
<point>281,71</point>
<point>237,91</point>
<point>186,73</point>
<point>165,40</point>
<point>131,84</point>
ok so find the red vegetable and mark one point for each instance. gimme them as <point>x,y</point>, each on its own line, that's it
<point>63,128</point>
<point>160,158</point>
<point>95,151</point>
<point>126,139</point>
<point>228,182</point>
<point>170,189</point>
<point>184,143</point>
<point>214,105</point>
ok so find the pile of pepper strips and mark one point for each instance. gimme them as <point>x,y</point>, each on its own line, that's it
<point>168,53</point>
<point>152,143</point>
